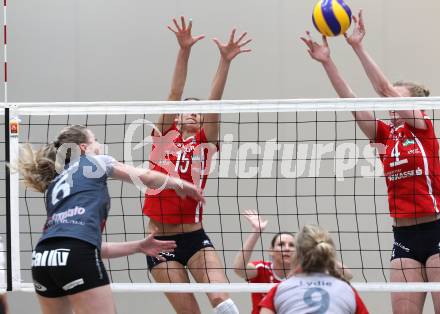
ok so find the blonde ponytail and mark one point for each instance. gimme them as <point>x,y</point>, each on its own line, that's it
<point>315,251</point>
<point>38,167</point>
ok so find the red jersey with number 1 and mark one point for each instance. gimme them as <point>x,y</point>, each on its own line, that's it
<point>411,167</point>
<point>185,158</point>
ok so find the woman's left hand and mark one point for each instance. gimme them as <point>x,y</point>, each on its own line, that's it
<point>234,47</point>
<point>152,247</point>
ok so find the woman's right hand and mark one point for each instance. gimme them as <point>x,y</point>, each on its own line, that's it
<point>320,53</point>
<point>185,189</point>
<point>183,33</point>
<point>257,222</point>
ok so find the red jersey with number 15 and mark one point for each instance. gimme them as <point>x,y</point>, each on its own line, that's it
<point>188,159</point>
<point>411,167</point>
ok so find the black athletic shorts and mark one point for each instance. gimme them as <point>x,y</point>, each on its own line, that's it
<point>2,308</point>
<point>63,266</point>
<point>188,244</point>
<point>418,242</point>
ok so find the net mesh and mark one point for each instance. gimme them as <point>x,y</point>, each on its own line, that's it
<point>293,167</point>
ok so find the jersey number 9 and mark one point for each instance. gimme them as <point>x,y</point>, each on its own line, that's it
<point>317,297</point>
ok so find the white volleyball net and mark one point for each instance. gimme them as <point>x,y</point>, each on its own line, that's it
<point>294,161</point>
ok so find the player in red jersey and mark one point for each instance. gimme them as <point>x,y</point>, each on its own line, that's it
<point>316,285</point>
<point>184,145</point>
<point>409,153</point>
<point>275,270</point>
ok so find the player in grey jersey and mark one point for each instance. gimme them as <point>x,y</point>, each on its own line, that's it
<point>67,269</point>
<point>316,285</point>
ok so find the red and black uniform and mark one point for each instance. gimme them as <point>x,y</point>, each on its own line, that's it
<point>411,166</point>
<point>188,159</point>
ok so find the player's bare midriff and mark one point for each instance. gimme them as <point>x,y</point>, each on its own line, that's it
<point>404,222</point>
<point>172,229</point>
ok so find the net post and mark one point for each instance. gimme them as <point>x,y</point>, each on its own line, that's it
<point>8,204</point>
<point>7,154</point>
<point>12,201</point>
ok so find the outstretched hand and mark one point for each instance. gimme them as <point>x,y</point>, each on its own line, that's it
<point>152,247</point>
<point>234,47</point>
<point>257,222</point>
<point>320,53</point>
<point>183,33</point>
<point>185,189</point>
<point>358,32</point>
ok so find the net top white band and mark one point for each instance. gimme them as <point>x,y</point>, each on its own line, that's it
<point>251,288</point>
<point>224,106</point>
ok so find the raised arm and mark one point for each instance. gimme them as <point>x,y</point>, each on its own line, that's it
<point>321,53</point>
<point>149,246</point>
<point>185,41</point>
<point>228,52</point>
<point>156,180</point>
<point>380,82</point>
<point>242,267</point>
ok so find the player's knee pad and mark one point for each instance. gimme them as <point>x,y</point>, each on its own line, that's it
<point>226,307</point>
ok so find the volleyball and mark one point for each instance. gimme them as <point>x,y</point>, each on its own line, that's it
<point>331,17</point>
